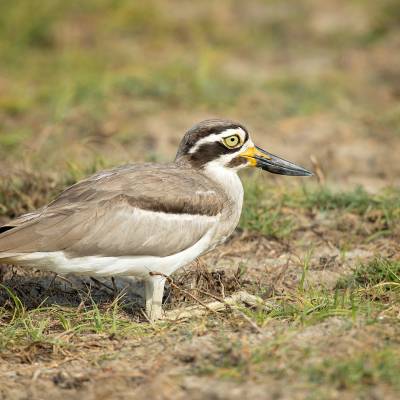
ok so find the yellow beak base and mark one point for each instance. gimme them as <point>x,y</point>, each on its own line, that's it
<point>252,153</point>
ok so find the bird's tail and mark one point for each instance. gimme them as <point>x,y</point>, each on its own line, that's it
<point>5,228</point>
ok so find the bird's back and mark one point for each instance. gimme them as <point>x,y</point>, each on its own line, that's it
<point>146,209</point>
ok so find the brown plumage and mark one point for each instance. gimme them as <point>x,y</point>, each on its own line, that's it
<point>81,219</point>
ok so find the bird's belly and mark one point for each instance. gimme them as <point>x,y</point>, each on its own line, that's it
<point>98,265</point>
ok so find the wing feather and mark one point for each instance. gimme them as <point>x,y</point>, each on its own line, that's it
<point>133,210</point>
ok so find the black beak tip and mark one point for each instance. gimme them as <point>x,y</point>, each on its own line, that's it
<point>282,167</point>
<point>308,173</point>
<point>299,172</point>
<point>277,165</point>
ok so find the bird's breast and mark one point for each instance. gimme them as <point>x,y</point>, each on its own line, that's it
<point>231,184</point>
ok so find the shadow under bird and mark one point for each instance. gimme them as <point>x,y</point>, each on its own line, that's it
<point>142,219</point>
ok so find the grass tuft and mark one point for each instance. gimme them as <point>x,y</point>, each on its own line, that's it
<point>363,370</point>
<point>378,271</point>
<point>60,324</point>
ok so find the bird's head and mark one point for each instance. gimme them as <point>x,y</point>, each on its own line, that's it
<point>227,144</point>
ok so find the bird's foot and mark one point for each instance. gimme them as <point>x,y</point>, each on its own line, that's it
<point>154,290</point>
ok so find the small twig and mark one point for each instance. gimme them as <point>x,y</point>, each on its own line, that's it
<point>50,285</point>
<point>102,284</point>
<point>80,306</point>
<point>210,295</point>
<point>222,286</point>
<point>63,278</point>
<point>318,170</point>
<point>249,320</point>
<point>36,375</point>
<point>146,317</point>
<point>115,289</point>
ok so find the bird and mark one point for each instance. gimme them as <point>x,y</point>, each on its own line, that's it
<point>145,220</point>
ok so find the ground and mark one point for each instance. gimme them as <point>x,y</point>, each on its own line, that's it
<point>85,87</point>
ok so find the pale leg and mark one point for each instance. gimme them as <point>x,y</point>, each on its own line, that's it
<point>154,290</point>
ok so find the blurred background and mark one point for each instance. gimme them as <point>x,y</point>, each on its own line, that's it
<point>90,84</point>
<point>85,85</point>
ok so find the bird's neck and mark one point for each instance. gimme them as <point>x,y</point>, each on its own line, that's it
<point>228,180</point>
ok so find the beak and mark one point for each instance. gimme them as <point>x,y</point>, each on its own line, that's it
<point>268,162</point>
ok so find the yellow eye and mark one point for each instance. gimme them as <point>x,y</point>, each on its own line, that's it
<point>232,141</point>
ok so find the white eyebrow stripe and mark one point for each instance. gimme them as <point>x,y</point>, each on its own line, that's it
<point>208,139</point>
<point>216,137</point>
<point>232,131</point>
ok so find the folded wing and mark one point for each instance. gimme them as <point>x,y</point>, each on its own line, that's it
<point>132,210</point>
